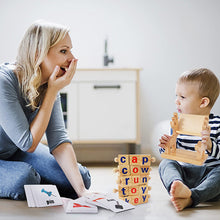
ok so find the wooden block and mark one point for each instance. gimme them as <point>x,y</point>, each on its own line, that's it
<point>146,160</point>
<point>135,200</point>
<point>144,179</point>
<point>145,170</point>
<point>130,180</point>
<point>123,159</point>
<point>123,191</point>
<point>124,170</point>
<point>125,198</point>
<point>144,198</point>
<point>143,189</point>
<point>135,180</point>
<point>135,170</point>
<point>190,124</point>
<point>135,159</point>
<point>185,156</point>
<point>133,190</point>
<point>140,159</point>
<point>125,180</point>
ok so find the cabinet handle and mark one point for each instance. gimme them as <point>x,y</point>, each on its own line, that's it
<point>107,87</point>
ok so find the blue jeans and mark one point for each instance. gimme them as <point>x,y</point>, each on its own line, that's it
<point>39,167</point>
<point>203,181</point>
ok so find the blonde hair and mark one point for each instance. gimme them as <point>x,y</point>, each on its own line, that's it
<point>37,41</point>
<point>208,83</point>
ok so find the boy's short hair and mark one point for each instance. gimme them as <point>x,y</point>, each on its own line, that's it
<point>208,83</point>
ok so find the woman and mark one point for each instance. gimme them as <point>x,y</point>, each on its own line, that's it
<point>30,106</point>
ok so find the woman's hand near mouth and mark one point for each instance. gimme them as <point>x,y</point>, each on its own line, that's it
<point>58,81</point>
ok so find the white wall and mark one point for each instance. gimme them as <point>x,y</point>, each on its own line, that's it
<point>164,37</point>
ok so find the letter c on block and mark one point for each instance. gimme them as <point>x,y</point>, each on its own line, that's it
<point>123,159</point>
<point>124,170</point>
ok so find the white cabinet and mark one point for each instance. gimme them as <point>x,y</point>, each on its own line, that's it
<point>102,106</point>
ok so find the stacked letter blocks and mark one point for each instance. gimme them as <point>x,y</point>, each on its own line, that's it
<point>133,178</point>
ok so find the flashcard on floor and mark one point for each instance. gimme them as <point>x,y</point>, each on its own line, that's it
<point>80,206</point>
<point>112,203</point>
<point>42,195</point>
<point>95,198</point>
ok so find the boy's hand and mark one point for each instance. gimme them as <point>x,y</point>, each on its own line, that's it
<point>206,141</point>
<point>164,140</point>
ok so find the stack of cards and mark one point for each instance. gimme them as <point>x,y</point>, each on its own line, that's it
<point>48,195</point>
<point>42,195</point>
<point>90,203</point>
<point>80,206</point>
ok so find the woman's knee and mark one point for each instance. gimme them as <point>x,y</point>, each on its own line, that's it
<point>29,175</point>
<point>18,175</point>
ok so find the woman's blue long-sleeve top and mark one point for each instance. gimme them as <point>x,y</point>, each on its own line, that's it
<point>16,117</point>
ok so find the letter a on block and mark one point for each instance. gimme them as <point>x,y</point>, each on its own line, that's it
<point>135,160</point>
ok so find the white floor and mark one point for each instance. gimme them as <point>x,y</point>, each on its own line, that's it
<point>158,207</point>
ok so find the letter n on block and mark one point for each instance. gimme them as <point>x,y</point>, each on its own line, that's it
<point>144,179</point>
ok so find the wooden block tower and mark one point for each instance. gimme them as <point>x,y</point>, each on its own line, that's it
<point>133,177</point>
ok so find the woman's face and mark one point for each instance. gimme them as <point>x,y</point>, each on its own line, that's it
<point>58,55</point>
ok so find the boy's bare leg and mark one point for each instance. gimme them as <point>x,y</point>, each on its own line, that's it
<point>180,195</point>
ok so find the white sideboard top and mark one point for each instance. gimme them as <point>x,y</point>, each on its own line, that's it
<point>107,74</point>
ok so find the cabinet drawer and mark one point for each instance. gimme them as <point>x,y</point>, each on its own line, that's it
<point>69,99</point>
<point>107,110</point>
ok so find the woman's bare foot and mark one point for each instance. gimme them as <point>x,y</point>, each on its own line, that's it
<point>181,203</point>
<point>179,190</point>
<point>180,195</point>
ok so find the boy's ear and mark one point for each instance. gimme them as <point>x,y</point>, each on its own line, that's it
<point>204,102</point>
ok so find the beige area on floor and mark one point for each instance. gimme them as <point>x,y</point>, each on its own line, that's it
<point>103,180</point>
